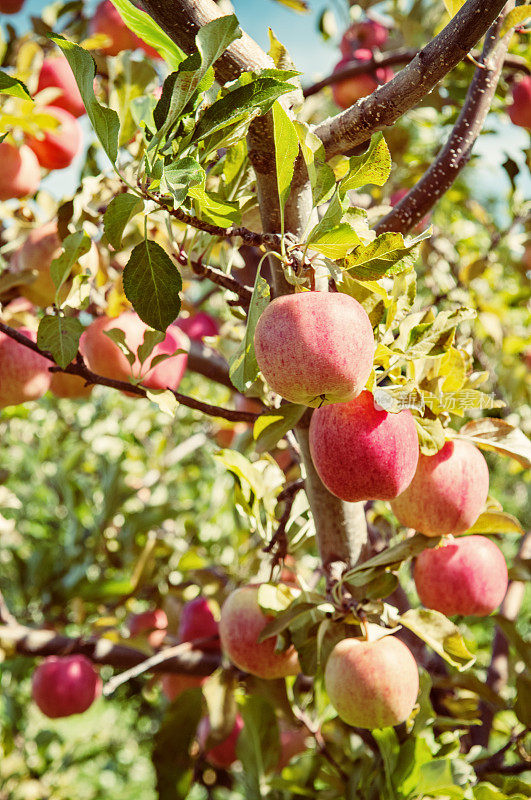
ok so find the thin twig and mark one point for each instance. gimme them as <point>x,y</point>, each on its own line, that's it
<point>218,277</point>
<point>279,542</point>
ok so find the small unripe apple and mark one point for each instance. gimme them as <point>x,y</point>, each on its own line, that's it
<point>105,357</point>
<point>349,90</point>
<point>173,684</point>
<point>223,754</point>
<point>11,6</point>
<point>107,20</point>
<point>372,684</point>
<point>197,622</point>
<point>153,623</point>
<point>65,686</point>
<point>464,576</point>
<point>56,148</point>
<point>20,175</point>
<point>520,110</point>
<point>242,621</point>
<point>24,374</point>
<point>362,452</point>
<point>198,326</point>
<point>315,347</point>
<point>447,493</point>
<point>366,34</point>
<point>56,72</point>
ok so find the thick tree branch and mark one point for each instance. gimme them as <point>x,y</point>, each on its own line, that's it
<point>458,149</point>
<point>389,102</point>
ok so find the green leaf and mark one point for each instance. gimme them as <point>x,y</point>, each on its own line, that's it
<point>284,619</point>
<point>60,335</point>
<point>522,647</point>
<point>372,167</point>
<point>440,634</point>
<point>392,556</point>
<point>388,254</point>
<point>74,246</point>
<point>272,426</point>
<point>147,29</point>
<point>243,366</point>
<point>118,213</point>
<point>131,81</point>
<point>435,337</point>
<point>337,242</point>
<point>389,748</point>
<point>496,522</point>
<point>180,175</point>
<point>522,707</point>
<point>486,791</point>
<point>258,746</point>
<point>117,336</point>
<point>215,210</point>
<point>286,152</point>
<point>301,6</point>
<point>440,777</point>
<point>321,175</point>
<point>152,284</point>
<point>499,436</point>
<point>431,435</point>
<point>11,85</point>
<point>151,340</point>
<point>171,752</point>
<point>275,598</point>
<point>515,17</point>
<point>105,121</point>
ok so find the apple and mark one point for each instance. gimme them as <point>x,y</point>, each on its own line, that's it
<point>349,90</point>
<point>447,493</point>
<point>173,684</point>
<point>20,175</point>
<point>463,576</point>
<point>69,386</point>
<point>107,20</point>
<point>65,686</point>
<point>367,34</point>
<point>56,148</point>
<point>153,623</point>
<point>56,72</point>
<point>105,357</point>
<point>11,6</point>
<point>362,452</point>
<point>242,621</point>
<point>315,347</point>
<point>372,684</point>
<point>520,110</point>
<point>292,742</point>
<point>223,754</point>
<point>198,326</point>
<point>24,374</point>
<point>198,622</point>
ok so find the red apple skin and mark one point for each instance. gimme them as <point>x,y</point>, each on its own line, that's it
<point>174,685</point>
<point>154,623</point>
<point>350,90</point>
<point>447,493</point>
<point>65,686</point>
<point>105,357</point>
<point>367,34</point>
<point>242,621</point>
<point>315,347</point>
<point>465,576</point>
<point>21,174</point>
<point>292,742</point>
<point>222,755</point>
<point>24,375</point>
<point>64,385</point>
<point>58,147</point>
<point>520,110</point>
<point>11,6</point>
<point>361,452</point>
<point>198,622</point>
<point>107,20</point>
<point>55,72</point>
<point>198,326</point>
<point>372,684</point>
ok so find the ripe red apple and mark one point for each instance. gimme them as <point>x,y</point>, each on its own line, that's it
<point>222,754</point>
<point>57,148</point>
<point>242,621</point>
<point>315,347</point>
<point>447,493</point>
<point>55,72</point>
<point>350,90</point>
<point>65,686</point>
<point>520,110</point>
<point>11,6</point>
<point>64,385</point>
<point>153,623</point>
<point>366,34</point>
<point>362,452</point>
<point>105,357</point>
<point>20,174</point>
<point>464,576</point>
<point>107,20</point>
<point>372,684</point>
<point>197,622</point>
<point>173,685</point>
<point>24,374</point>
<point>198,326</point>
<point>292,742</point>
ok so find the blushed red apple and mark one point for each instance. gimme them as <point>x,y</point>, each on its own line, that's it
<point>520,110</point>
<point>198,622</point>
<point>348,91</point>
<point>173,684</point>
<point>448,492</point>
<point>372,684</point>
<point>464,576</point>
<point>24,374</point>
<point>198,325</point>
<point>315,347</point>
<point>107,20</point>
<point>56,72</point>
<point>366,34</point>
<point>242,621</point>
<point>20,175</point>
<point>66,685</point>
<point>362,452</point>
<point>222,754</point>
<point>153,623</point>
<point>56,148</point>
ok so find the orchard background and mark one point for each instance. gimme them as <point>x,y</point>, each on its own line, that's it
<point>148,475</point>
